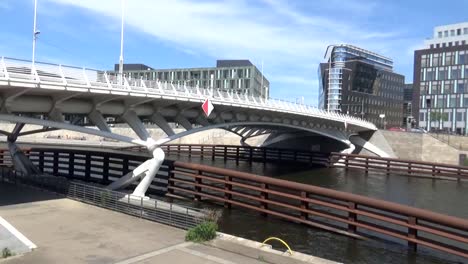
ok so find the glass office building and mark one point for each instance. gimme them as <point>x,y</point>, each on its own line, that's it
<point>362,83</point>
<point>441,81</point>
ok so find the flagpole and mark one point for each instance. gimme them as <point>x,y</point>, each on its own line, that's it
<point>121,42</point>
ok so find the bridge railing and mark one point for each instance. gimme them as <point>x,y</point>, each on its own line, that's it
<point>399,166</point>
<point>339,212</point>
<point>154,210</point>
<point>246,153</point>
<point>55,74</point>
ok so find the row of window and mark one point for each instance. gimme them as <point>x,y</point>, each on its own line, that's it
<point>448,44</point>
<point>444,59</point>
<point>444,73</point>
<point>356,101</point>
<point>444,101</point>
<point>444,87</point>
<point>193,75</point>
<point>453,32</point>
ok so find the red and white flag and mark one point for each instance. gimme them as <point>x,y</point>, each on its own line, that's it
<point>207,107</point>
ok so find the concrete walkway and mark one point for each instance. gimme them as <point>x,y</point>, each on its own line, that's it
<point>66,231</point>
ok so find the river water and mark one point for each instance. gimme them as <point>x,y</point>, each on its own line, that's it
<point>443,196</point>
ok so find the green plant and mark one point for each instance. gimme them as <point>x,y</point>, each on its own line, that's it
<point>6,252</point>
<point>204,231</point>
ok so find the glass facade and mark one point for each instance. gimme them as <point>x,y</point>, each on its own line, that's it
<point>442,83</point>
<point>361,83</point>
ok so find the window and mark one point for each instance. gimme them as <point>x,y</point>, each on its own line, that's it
<point>440,34</point>
<point>450,44</point>
<point>465,31</point>
<point>432,46</point>
<point>446,33</point>
<point>247,83</point>
<point>456,73</point>
<point>460,87</point>
<point>462,58</point>
<point>452,32</point>
<point>437,45</point>
<point>459,32</point>
<point>444,45</point>
<point>459,116</point>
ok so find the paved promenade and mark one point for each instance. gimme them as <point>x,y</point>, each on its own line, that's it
<point>66,231</point>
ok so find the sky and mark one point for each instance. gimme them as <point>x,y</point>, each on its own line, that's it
<point>289,36</point>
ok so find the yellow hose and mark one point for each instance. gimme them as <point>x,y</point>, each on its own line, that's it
<point>280,240</point>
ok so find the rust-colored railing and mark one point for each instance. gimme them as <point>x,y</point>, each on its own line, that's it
<point>339,212</point>
<point>247,153</point>
<point>399,166</point>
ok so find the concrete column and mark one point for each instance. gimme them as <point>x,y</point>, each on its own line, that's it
<point>98,120</point>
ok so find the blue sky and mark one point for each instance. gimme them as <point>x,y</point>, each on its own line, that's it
<point>290,36</point>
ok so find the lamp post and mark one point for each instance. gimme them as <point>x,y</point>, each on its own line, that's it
<point>121,79</point>
<point>35,33</point>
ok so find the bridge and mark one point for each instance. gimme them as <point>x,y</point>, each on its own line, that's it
<point>43,94</point>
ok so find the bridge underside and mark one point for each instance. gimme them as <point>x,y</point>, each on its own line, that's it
<point>73,110</point>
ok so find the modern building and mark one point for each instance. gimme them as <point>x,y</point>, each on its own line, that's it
<point>362,83</point>
<point>239,76</point>
<point>441,80</point>
<point>408,119</point>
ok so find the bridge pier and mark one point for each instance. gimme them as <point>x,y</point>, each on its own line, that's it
<point>146,172</point>
<point>20,160</point>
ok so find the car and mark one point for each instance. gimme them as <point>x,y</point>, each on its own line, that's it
<point>396,129</point>
<point>417,130</point>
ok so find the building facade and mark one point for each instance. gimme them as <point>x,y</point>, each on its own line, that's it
<point>361,83</point>
<point>441,80</point>
<point>239,76</point>
<point>408,118</point>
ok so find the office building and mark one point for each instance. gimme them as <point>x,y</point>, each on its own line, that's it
<point>361,83</point>
<point>441,80</point>
<point>239,76</point>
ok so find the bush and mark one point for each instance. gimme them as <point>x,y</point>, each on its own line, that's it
<point>202,232</point>
<point>6,252</point>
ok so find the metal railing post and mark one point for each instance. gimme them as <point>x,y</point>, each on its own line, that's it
<point>352,217</point>
<point>304,206</point>
<point>412,233</point>
<point>263,197</point>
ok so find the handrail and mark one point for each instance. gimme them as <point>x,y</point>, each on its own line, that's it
<point>399,166</point>
<point>389,206</point>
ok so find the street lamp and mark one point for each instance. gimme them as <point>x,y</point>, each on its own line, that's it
<point>35,34</point>
<point>121,79</point>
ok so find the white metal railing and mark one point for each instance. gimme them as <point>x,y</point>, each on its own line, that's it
<point>69,76</point>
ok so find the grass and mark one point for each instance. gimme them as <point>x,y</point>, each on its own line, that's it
<point>202,232</point>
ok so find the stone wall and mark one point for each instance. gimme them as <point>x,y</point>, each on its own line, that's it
<point>423,147</point>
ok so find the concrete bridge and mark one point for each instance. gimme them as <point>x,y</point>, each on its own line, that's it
<point>44,94</point>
